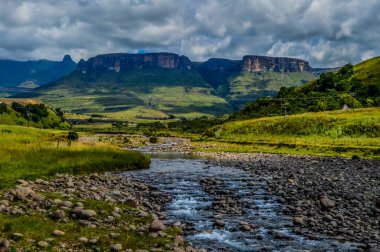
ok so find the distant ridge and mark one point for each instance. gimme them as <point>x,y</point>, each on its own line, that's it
<point>40,72</point>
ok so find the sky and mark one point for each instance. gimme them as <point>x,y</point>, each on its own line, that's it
<point>327,33</point>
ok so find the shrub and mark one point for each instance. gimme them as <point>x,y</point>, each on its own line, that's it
<point>3,108</point>
<point>72,136</point>
<point>153,139</point>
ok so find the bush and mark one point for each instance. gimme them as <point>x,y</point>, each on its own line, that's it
<point>153,139</point>
<point>72,136</point>
<point>3,108</point>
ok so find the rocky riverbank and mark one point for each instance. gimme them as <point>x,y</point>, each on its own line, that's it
<point>87,213</point>
<point>335,198</point>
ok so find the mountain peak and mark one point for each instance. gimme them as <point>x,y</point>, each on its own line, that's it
<point>67,58</point>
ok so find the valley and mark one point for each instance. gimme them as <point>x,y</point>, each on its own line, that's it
<point>189,126</point>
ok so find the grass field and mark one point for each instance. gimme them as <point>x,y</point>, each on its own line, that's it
<point>344,133</point>
<point>29,153</point>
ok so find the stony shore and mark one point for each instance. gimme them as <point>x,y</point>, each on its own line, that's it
<point>121,207</point>
<point>327,197</point>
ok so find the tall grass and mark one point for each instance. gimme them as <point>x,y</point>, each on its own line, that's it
<point>342,133</point>
<point>28,153</point>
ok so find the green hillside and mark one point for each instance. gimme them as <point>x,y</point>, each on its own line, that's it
<point>246,87</point>
<point>343,132</point>
<point>116,95</point>
<point>17,112</point>
<point>350,87</point>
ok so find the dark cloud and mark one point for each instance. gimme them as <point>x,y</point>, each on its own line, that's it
<point>324,32</point>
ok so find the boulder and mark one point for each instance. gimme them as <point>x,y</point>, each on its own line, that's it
<point>327,203</point>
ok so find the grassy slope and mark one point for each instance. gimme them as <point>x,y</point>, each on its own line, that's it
<point>177,92</point>
<point>15,118</point>
<point>28,153</point>
<point>368,71</point>
<point>246,87</point>
<point>344,132</point>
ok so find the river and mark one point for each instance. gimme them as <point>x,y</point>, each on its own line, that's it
<point>197,187</point>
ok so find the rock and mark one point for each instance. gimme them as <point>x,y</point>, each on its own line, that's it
<point>116,247</point>
<point>17,236</point>
<point>58,233</point>
<point>70,183</point>
<point>83,239</point>
<point>179,239</point>
<point>177,249</point>
<point>298,220</point>
<point>157,225</point>
<point>58,214</point>
<point>88,213</point>
<point>22,182</point>
<point>93,241</point>
<point>327,203</point>
<point>43,244</point>
<point>377,202</point>
<point>114,235</point>
<point>4,244</point>
<point>67,204</point>
<point>219,223</point>
<point>281,236</point>
<point>39,181</point>
<point>4,203</point>
<point>245,227</point>
<point>21,193</point>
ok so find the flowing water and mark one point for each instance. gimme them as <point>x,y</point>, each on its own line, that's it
<point>192,205</point>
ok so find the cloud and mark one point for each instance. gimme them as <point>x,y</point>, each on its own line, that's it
<point>327,33</point>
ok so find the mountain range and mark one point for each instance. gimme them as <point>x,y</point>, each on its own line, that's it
<point>14,73</point>
<point>167,85</point>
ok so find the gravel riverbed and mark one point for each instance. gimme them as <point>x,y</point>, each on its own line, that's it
<point>327,197</point>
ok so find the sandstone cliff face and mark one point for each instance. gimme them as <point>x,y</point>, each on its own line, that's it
<point>124,62</point>
<point>252,63</point>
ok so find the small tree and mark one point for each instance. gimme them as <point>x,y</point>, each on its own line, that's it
<point>72,136</point>
<point>3,108</point>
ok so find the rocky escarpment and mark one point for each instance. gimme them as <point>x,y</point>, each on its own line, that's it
<point>253,63</point>
<point>120,62</point>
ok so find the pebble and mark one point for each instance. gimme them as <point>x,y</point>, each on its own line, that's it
<point>116,247</point>
<point>43,244</point>
<point>17,236</point>
<point>58,233</point>
<point>4,244</point>
<point>83,239</point>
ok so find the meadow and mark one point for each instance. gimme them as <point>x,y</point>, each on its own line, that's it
<point>334,133</point>
<point>30,153</point>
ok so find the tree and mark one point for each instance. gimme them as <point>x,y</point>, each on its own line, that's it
<point>3,108</point>
<point>350,101</point>
<point>369,102</point>
<point>72,136</point>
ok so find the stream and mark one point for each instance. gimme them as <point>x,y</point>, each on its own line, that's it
<point>197,187</point>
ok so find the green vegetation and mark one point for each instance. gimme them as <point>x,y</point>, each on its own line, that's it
<point>244,86</point>
<point>351,86</point>
<point>323,133</point>
<point>39,227</point>
<point>34,115</point>
<point>146,94</point>
<point>29,153</point>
